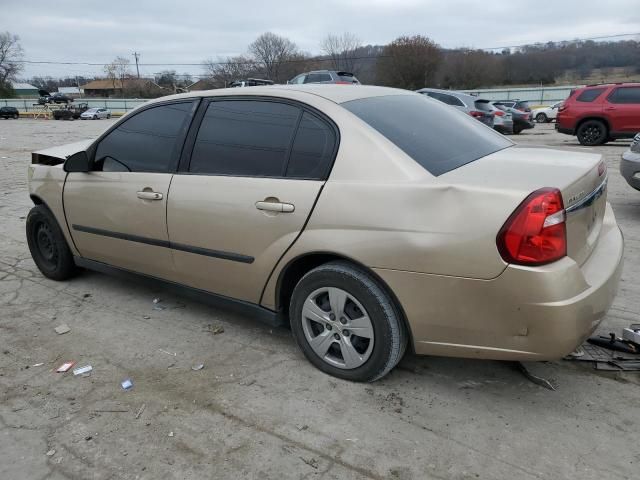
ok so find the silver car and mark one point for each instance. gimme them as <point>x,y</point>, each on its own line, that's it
<point>630,164</point>
<point>95,113</point>
<point>464,102</point>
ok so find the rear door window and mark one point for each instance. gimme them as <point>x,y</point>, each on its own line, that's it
<point>439,138</point>
<point>317,77</point>
<point>149,141</point>
<point>625,95</point>
<point>313,149</point>
<point>244,138</point>
<point>483,106</point>
<point>589,95</point>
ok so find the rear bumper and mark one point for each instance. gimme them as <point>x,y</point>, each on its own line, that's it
<point>630,168</point>
<point>526,313</point>
<point>566,131</point>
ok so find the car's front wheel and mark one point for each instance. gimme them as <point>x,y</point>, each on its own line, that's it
<point>346,324</point>
<point>592,132</point>
<point>541,118</point>
<point>95,117</point>
<point>48,246</point>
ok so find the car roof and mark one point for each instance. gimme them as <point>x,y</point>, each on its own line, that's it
<point>331,92</point>
<point>455,93</point>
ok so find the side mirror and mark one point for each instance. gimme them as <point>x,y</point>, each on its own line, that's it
<point>78,162</point>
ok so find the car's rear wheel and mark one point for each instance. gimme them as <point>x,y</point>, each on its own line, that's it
<point>95,117</point>
<point>517,130</point>
<point>592,132</point>
<point>16,116</point>
<point>541,118</point>
<point>346,324</point>
<point>48,246</point>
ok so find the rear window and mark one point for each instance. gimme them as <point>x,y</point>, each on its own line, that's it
<point>436,136</point>
<point>483,106</point>
<point>589,95</point>
<point>318,77</point>
<point>522,105</point>
<point>347,77</point>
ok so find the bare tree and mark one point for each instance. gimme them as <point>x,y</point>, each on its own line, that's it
<point>223,71</point>
<point>111,71</point>
<point>10,56</point>
<point>118,70</point>
<point>409,62</point>
<point>271,51</point>
<point>341,50</point>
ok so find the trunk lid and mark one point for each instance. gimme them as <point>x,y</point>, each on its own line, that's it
<point>580,177</point>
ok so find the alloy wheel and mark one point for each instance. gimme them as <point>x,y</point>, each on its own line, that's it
<point>337,328</point>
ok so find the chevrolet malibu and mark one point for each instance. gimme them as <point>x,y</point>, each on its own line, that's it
<point>367,219</point>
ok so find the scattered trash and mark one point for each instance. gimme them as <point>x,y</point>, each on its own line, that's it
<point>632,334</point>
<point>38,364</point>
<point>146,317</point>
<point>65,367</point>
<point>140,410</point>
<point>51,453</point>
<point>168,353</point>
<point>159,307</point>
<point>82,370</point>
<point>197,367</point>
<point>171,434</point>
<point>312,462</point>
<point>214,330</point>
<point>614,343</point>
<point>127,384</point>
<point>62,329</point>
<point>88,438</point>
<point>577,353</point>
<point>86,295</point>
<point>302,427</point>
<point>156,300</point>
<point>534,378</point>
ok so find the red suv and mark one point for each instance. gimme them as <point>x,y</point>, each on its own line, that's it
<point>599,113</point>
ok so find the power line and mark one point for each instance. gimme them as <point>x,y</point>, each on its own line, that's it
<point>303,60</point>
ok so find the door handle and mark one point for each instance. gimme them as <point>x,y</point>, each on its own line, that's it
<point>149,195</point>
<point>609,108</point>
<point>275,207</point>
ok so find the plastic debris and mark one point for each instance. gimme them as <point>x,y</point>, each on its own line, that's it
<point>144,405</point>
<point>197,367</point>
<point>171,434</point>
<point>81,370</point>
<point>168,353</point>
<point>51,453</point>
<point>146,317</point>
<point>37,365</point>
<point>156,300</point>
<point>214,330</point>
<point>127,384</point>
<point>65,367</point>
<point>62,329</point>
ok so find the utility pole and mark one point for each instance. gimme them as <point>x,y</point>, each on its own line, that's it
<point>136,55</point>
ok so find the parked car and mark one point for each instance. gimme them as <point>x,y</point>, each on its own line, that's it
<point>546,114</point>
<point>57,97</point>
<point>250,82</point>
<point>95,114</point>
<point>70,112</point>
<point>362,218</point>
<point>502,121</point>
<point>597,114</point>
<point>630,164</point>
<point>9,112</point>
<point>464,102</point>
<point>325,76</point>
<point>522,119</point>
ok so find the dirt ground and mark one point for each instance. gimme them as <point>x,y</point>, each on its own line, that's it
<point>257,409</point>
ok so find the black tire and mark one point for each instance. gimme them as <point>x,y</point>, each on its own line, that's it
<point>517,130</point>
<point>48,246</point>
<point>390,334</point>
<point>95,117</point>
<point>592,133</point>
<point>108,116</point>
<point>16,116</point>
<point>541,118</point>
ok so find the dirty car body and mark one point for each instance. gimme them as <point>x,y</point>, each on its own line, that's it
<point>349,214</point>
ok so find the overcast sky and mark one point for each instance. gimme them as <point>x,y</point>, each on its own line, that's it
<point>191,31</point>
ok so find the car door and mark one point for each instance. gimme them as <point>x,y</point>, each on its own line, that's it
<point>117,211</point>
<point>623,109</point>
<point>246,186</point>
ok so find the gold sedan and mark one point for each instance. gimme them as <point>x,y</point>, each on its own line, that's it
<point>367,219</point>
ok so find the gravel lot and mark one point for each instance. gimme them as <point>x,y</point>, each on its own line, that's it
<point>258,409</point>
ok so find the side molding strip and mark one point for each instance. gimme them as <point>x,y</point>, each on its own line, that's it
<point>234,257</point>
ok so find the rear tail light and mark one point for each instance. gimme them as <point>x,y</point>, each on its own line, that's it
<point>476,114</point>
<point>535,234</point>
<point>562,106</point>
<point>499,113</point>
<point>343,83</point>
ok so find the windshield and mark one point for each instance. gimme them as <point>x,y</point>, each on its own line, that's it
<point>438,137</point>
